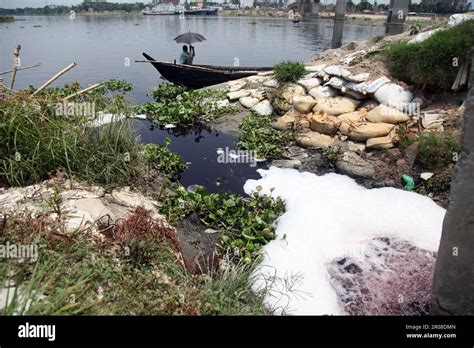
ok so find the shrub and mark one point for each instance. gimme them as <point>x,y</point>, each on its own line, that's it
<point>436,150</point>
<point>256,133</point>
<point>289,71</point>
<point>430,63</point>
<point>167,91</point>
<point>160,158</point>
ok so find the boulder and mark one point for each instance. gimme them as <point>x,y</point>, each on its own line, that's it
<point>290,91</point>
<point>315,68</point>
<point>248,102</point>
<point>256,79</point>
<point>336,105</point>
<point>335,82</point>
<point>379,143</point>
<point>263,108</point>
<point>325,124</point>
<point>309,83</point>
<point>353,165</point>
<point>322,92</point>
<point>237,87</point>
<point>315,140</point>
<point>393,94</point>
<point>237,94</point>
<point>285,122</point>
<point>303,103</point>
<point>271,83</point>
<point>338,71</point>
<point>386,114</point>
<point>364,131</point>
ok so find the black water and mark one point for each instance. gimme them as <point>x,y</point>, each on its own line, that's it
<point>199,147</point>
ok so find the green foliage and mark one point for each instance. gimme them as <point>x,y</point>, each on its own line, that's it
<point>289,71</point>
<point>415,28</point>
<point>332,154</point>
<point>436,150</point>
<point>432,62</point>
<point>437,185</point>
<point>160,158</point>
<point>167,91</point>
<point>74,276</point>
<point>256,133</point>
<point>188,108</point>
<point>246,223</point>
<point>7,19</point>
<point>36,141</point>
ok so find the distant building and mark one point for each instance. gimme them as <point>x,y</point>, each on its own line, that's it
<point>246,3</point>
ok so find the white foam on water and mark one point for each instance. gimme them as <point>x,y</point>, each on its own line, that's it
<point>327,216</point>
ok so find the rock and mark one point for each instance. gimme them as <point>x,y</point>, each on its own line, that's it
<point>322,92</point>
<point>315,68</point>
<point>288,163</point>
<point>271,83</point>
<point>325,124</point>
<point>94,207</point>
<point>263,108</point>
<point>256,79</point>
<point>345,128</point>
<point>295,152</point>
<point>303,123</point>
<point>237,95</point>
<point>458,18</point>
<point>315,140</point>
<point>222,103</point>
<point>260,94</point>
<point>393,94</point>
<point>386,114</point>
<point>285,122</point>
<point>411,152</point>
<point>426,175</point>
<point>237,87</point>
<point>126,197</point>
<point>336,105</point>
<point>364,131</point>
<point>290,91</point>
<point>309,83</point>
<point>248,102</point>
<point>355,166</point>
<point>303,103</point>
<point>280,104</point>
<point>355,147</point>
<point>379,143</point>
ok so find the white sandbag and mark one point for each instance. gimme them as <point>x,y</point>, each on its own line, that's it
<point>393,94</point>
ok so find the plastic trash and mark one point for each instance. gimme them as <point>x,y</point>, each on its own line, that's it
<point>409,182</point>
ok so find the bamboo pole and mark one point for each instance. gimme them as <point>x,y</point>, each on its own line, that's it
<point>25,68</point>
<point>1,87</point>
<point>55,77</point>
<point>16,55</point>
<point>81,91</point>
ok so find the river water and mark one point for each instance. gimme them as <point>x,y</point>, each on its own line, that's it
<point>106,47</point>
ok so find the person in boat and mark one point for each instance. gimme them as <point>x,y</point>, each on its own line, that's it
<point>187,56</point>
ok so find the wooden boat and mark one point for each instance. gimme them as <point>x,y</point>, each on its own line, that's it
<point>201,12</point>
<point>199,76</point>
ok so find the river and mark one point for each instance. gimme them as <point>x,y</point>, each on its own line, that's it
<point>106,47</point>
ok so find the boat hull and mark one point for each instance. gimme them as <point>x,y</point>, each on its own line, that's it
<point>201,12</point>
<point>199,76</point>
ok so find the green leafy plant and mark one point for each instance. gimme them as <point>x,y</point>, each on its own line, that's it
<point>435,61</point>
<point>289,71</point>
<point>332,154</point>
<point>188,108</point>
<point>246,222</point>
<point>167,91</point>
<point>160,158</point>
<point>415,28</point>
<point>257,134</point>
<point>436,150</point>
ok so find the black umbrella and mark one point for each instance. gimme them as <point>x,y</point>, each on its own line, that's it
<point>189,38</point>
